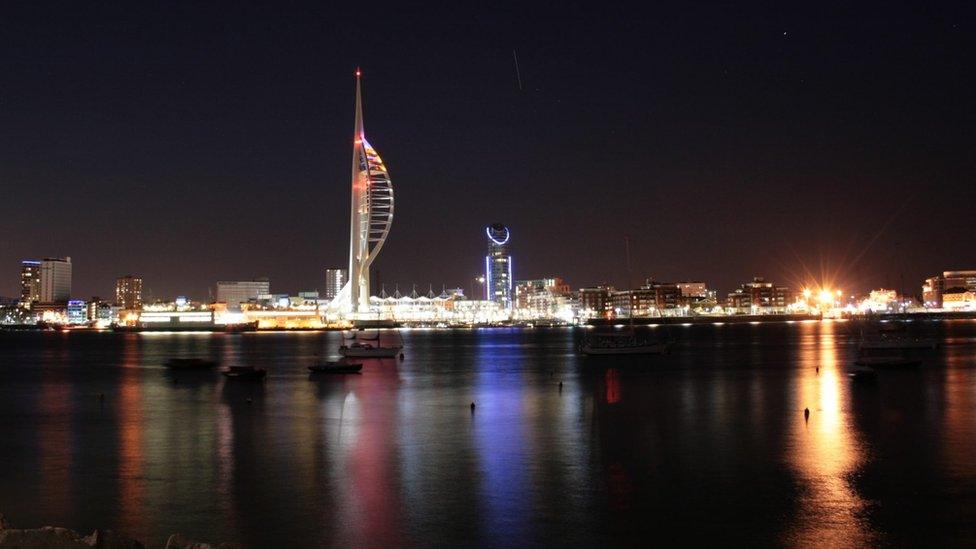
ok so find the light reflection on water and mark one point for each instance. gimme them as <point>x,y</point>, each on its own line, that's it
<point>825,450</point>
<point>707,444</point>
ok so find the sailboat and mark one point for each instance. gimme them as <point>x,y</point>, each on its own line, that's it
<point>370,346</point>
<point>626,342</point>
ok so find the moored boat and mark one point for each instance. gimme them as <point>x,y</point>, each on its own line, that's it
<point>336,368</point>
<point>622,344</point>
<point>190,364</point>
<point>366,350</point>
<point>897,343</point>
<point>244,372</point>
<point>888,362</point>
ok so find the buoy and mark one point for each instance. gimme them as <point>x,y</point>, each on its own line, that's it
<point>806,414</point>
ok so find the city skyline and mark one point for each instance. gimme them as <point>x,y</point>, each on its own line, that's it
<point>770,149</point>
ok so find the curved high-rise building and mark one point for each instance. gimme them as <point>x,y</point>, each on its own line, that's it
<point>498,266</point>
<point>370,216</point>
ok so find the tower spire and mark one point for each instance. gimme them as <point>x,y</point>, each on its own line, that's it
<point>370,214</point>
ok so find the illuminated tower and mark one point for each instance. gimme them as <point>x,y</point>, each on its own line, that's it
<point>370,215</point>
<point>498,266</point>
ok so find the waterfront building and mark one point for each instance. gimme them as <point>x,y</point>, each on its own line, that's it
<point>77,312</point>
<point>335,279</point>
<point>128,292</point>
<point>544,298</point>
<point>693,290</point>
<point>667,296</point>
<point>55,280</point>
<point>879,301</point>
<point>233,293</point>
<point>30,283</point>
<point>595,302</point>
<point>935,287</point>
<point>959,299</point>
<point>498,266</point>
<point>759,297</point>
<point>370,216</point>
<point>50,312</point>
<point>633,303</point>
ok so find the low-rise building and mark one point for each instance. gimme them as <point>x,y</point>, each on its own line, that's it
<point>759,297</point>
<point>937,286</point>
<point>595,302</point>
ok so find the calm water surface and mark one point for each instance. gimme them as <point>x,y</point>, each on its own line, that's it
<point>708,444</point>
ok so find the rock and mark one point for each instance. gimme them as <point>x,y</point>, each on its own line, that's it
<point>179,541</point>
<point>107,539</point>
<point>47,537</point>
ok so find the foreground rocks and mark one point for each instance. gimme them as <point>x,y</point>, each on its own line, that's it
<point>63,538</point>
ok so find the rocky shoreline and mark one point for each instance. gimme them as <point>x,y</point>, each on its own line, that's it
<point>58,538</point>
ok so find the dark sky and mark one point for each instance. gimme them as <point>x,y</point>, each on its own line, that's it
<point>205,142</point>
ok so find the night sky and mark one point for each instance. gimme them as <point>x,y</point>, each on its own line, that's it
<point>206,142</point>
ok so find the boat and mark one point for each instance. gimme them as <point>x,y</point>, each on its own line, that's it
<point>367,350</point>
<point>626,342</point>
<point>244,372</point>
<point>894,361</point>
<point>862,372</point>
<point>336,368</point>
<point>190,364</point>
<point>622,344</point>
<point>897,343</point>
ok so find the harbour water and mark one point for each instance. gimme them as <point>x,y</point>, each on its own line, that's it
<point>708,444</point>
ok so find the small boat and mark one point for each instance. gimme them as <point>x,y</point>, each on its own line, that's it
<point>244,372</point>
<point>336,368</point>
<point>876,362</point>
<point>366,350</point>
<point>859,372</point>
<point>897,343</point>
<point>190,364</point>
<point>622,344</point>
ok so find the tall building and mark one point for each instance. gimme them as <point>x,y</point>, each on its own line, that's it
<point>128,292</point>
<point>233,293</point>
<point>335,279</point>
<point>370,215</point>
<point>55,280</point>
<point>30,283</point>
<point>498,266</point>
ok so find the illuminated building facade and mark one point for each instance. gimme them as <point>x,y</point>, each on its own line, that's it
<point>633,303</point>
<point>935,288</point>
<point>498,266</point>
<point>55,280</point>
<point>335,279</point>
<point>595,302</point>
<point>77,312</point>
<point>759,297</point>
<point>233,293</point>
<point>30,283</point>
<point>128,292</point>
<point>370,216</point>
<point>544,298</point>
